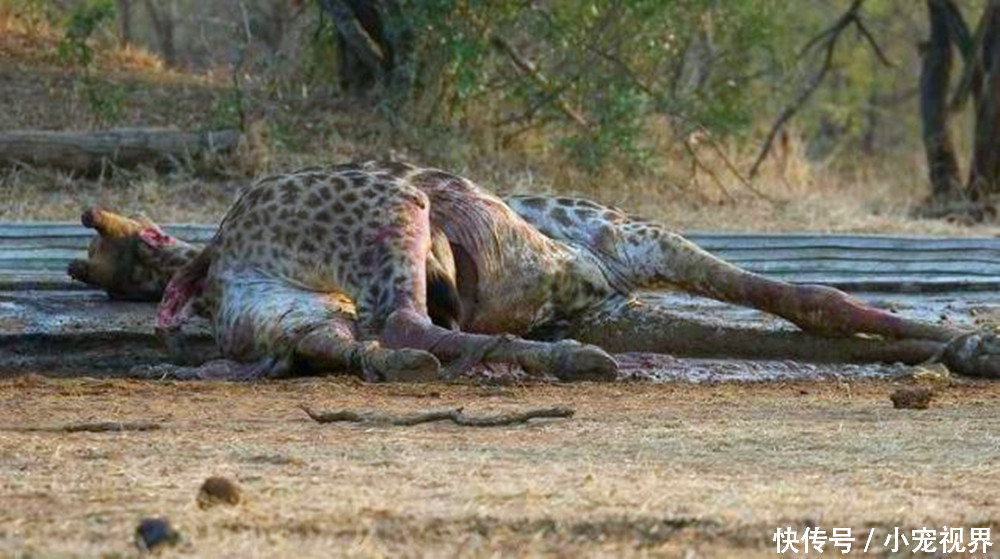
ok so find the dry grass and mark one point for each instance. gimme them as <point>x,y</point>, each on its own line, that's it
<point>641,468</point>
<point>31,43</point>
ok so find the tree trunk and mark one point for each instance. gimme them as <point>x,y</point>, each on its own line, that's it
<point>984,174</point>
<point>90,152</point>
<point>374,44</point>
<point>935,75</point>
<point>125,21</point>
<point>163,25</point>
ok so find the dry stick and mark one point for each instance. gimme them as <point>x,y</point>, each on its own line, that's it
<point>456,416</point>
<point>872,43</point>
<point>829,38</point>
<point>698,163</point>
<point>99,427</point>
<point>732,167</point>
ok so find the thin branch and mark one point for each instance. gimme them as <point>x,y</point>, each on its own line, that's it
<point>958,30</point>
<point>747,183</point>
<point>879,53</point>
<point>698,163</point>
<point>246,23</point>
<point>788,112</point>
<point>831,33</point>
<point>99,427</point>
<point>456,416</point>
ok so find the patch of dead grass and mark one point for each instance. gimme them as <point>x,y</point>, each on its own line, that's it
<point>30,42</point>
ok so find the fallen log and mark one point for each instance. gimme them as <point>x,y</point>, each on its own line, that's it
<point>90,152</point>
<point>456,416</point>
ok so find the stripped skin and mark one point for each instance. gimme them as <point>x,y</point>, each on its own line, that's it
<point>343,268</point>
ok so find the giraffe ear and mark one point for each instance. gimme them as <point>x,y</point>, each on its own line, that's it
<point>155,237</point>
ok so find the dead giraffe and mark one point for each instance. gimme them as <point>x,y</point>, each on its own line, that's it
<point>385,270</point>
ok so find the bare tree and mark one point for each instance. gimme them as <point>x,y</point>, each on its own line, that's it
<point>980,80</point>
<point>374,43</point>
<point>935,76</point>
<point>984,173</point>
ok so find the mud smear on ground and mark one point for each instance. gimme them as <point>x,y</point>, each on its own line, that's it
<point>68,332</point>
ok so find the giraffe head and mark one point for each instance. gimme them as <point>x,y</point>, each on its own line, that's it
<point>130,258</point>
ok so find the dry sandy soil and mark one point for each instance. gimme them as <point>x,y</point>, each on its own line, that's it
<point>641,469</point>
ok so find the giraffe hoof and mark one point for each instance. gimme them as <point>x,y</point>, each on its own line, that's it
<point>976,354</point>
<point>410,365</point>
<point>577,362</point>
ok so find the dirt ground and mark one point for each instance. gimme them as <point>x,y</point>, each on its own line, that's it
<point>642,469</point>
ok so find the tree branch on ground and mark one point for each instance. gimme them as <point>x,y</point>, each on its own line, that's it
<point>99,427</point>
<point>456,416</point>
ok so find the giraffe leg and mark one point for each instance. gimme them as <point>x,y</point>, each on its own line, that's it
<point>666,257</point>
<point>333,348</point>
<point>567,360</point>
<point>637,254</point>
<point>625,325</point>
<point>393,305</point>
<point>267,328</point>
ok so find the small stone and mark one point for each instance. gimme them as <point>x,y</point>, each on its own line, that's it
<point>218,490</point>
<point>912,397</point>
<point>155,532</point>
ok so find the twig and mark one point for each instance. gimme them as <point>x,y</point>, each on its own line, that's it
<point>879,53</point>
<point>699,164</point>
<point>99,427</point>
<point>456,416</point>
<point>831,33</point>
<point>732,166</point>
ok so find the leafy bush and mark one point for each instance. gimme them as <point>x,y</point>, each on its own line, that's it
<point>86,20</point>
<point>597,69</point>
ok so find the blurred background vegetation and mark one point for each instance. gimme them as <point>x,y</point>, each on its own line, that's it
<point>658,106</point>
